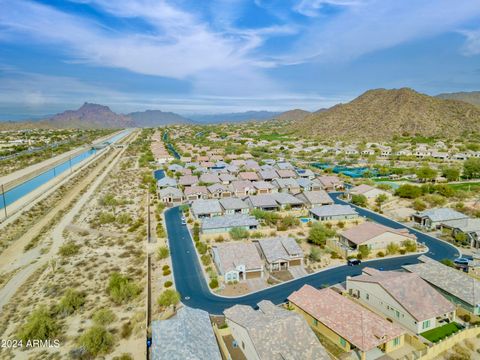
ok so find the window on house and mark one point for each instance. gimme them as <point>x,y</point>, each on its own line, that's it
<point>396,341</point>
<point>426,324</point>
<point>315,322</point>
<point>367,296</point>
<point>343,342</point>
<point>243,345</point>
<point>397,313</point>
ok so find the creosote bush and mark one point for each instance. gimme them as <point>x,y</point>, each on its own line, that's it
<point>121,289</point>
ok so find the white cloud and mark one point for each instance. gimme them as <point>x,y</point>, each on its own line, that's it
<point>312,8</point>
<point>472,44</point>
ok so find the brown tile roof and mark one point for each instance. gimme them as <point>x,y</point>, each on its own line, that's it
<point>359,326</point>
<point>416,296</point>
<point>368,230</point>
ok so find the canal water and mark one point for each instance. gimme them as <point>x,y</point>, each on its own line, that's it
<point>14,194</point>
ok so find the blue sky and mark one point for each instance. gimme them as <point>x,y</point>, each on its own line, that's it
<point>192,56</point>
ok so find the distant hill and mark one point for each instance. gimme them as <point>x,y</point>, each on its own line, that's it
<point>90,116</point>
<point>292,115</point>
<point>151,118</point>
<point>472,97</point>
<point>234,117</point>
<point>381,114</point>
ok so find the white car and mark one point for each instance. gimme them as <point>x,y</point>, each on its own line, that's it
<point>184,221</point>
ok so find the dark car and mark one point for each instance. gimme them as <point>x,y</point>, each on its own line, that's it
<point>353,262</point>
<point>461,261</point>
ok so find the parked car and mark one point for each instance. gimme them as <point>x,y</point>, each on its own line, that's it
<point>353,262</point>
<point>184,221</point>
<point>461,261</point>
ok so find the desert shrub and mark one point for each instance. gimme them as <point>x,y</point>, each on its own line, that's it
<point>206,260</point>
<point>410,245</point>
<point>162,253</point>
<point>213,283</point>
<point>402,251</point>
<point>70,302</point>
<point>39,325</point>
<point>167,272</point>
<point>126,330</point>
<point>168,297</point>
<point>408,191</point>
<point>315,254</point>
<point>287,222</point>
<point>196,232</point>
<point>238,233</point>
<point>168,284</point>
<point>123,357</point>
<point>121,289</point>
<point>69,249</point>
<point>97,340</point>
<point>380,254</point>
<point>165,267</point>
<point>364,251</point>
<point>359,200</point>
<point>219,238</point>
<point>105,218</point>
<point>392,248</point>
<point>201,247</point>
<point>334,255</point>
<point>341,224</point>
<point>419,205</point>
<point>124,219</point>
<point>104,317</point>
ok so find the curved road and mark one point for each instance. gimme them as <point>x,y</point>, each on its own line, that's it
<point>191,284</point>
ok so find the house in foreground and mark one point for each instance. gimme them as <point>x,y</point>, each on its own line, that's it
<point>403,297</point>
<point>273,333</point>
<point>206,208</point>
<point>187,335</point>
<point>281,253</point>
<point>334,212</point>
<point>237,261</point>
<point>374,236</point>
<point>456,286</point>
<point>347,324</point>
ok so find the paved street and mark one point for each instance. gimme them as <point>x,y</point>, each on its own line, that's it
<point>194,290</point>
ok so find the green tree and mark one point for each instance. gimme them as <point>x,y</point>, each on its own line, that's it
<point>71,301</point>
<point>168,298</point>
<point>121,289</point>
<point>380,199</point>
<point>39,325</point>
<point>451,173</point>
<point>319,234</point>
<point>364,251</point>
<point>410,245</point>
<point>359,200</point>
<point>392,248</point>
<point>97,340</point>
<point>419,205</point>
<point>408,191</point>
<point>426,173</point>
<point>471,168</point>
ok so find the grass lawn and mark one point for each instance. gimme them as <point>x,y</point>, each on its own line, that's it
<point>441,332</point>
<point>470,186</point>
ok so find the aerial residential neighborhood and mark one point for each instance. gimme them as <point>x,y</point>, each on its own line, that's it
<point>239,180</point>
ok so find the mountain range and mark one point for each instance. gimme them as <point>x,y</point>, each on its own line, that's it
<point>381,114</point>
<point>472,97</point>
<point>234,117</point>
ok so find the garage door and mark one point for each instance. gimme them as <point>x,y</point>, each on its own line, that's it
<point>295,262</point>
<point>254,274</point>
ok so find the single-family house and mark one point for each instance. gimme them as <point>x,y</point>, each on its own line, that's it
<point>306,184</point>
<point>456,286</point>
<point>286,200</point>
<point>368,191</point>
<point>171,195</point>
<point>263,202</point>
<point>436,218</point>
<point>330,182</point>
<point>287,185</point>
<point>188,180</point>
<point>402,297</point>
<point>264,187</point>
<point>374,236</point>
<point>305,173</point>
<point>175,167</point>
<point>237,261</point>
<point>166,182</point>
<point>268,175</point>
<point>347,324</point>
<point>232,206</point>
<point>248,175</point>
<point>272,333</point>
<point>251,165</point>
<point>186,335</point>
<point>333,212</point>
<point>226,179</point>
<point>315,198</point>
<point>285,166</point>
<point>218,191</point>
<point>196,192</point>
<point>206,208</point>
<point>287,174</point>
<point>209,178</point>
<point>223,224</point>
<point>242,188</point>
<point>469,227</point>
<point>281,253</point>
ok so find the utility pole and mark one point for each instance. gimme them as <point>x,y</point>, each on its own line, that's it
<point>4,201</point>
